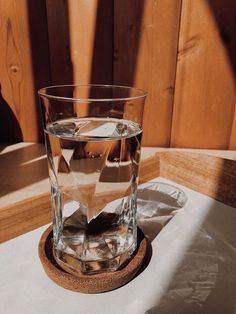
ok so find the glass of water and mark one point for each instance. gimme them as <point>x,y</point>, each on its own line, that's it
<point>93,139</point>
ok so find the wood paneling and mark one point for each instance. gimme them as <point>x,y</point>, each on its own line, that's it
<point>85,25</point>
<point>191,101</point>
<point>145,47</point>
<point>204,100</point>
<point>59,42</point>
<point>82,54</point>
<point>23,66</point>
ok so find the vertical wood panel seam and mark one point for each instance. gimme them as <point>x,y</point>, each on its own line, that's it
<point>113,42</point>
<point>48,45</point>
<point>175,75</point>
<point>231,129</point>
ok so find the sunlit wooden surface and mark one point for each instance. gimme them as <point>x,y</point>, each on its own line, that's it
<point>24,172</point>
<point>25,190</point>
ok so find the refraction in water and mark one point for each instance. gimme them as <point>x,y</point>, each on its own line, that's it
<point>93,171</point>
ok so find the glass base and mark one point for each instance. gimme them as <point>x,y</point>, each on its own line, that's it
<point>104,244</point>
<point>79,282</point>
<point>92,267</point>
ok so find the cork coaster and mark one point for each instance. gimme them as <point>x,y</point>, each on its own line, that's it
<point>89,283</point>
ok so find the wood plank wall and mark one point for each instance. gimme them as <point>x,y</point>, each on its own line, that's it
<point>183,52</point>
<point>204,102</point>
<point>24,67</point>
<point>145,48</point>
<point>83,53</point>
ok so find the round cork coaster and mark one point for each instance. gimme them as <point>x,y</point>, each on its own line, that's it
<point>89,283</point>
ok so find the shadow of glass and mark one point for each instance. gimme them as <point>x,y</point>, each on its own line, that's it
<point>205,280</point>
<point>157,203</point>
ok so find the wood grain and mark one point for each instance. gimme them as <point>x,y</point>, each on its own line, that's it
<point>82,54</point>
<point>204,101</point>
<point>145,47</point>
<point>61,69</point>
<point>24,65</point>
<point>24,216</point>
<point>149,169</point>
<point>212,176</point>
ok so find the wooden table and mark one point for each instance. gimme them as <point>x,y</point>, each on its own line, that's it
<point>24,184</point>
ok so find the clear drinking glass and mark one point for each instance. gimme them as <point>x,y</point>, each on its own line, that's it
<point>93,138</point>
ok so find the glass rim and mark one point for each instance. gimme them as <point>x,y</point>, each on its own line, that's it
<point>72,99</point>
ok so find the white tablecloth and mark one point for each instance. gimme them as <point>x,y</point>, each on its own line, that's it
<point>192,270</point>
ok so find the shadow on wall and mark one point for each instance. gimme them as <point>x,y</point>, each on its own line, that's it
<point>10,130</point>
<point>224,13</point>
